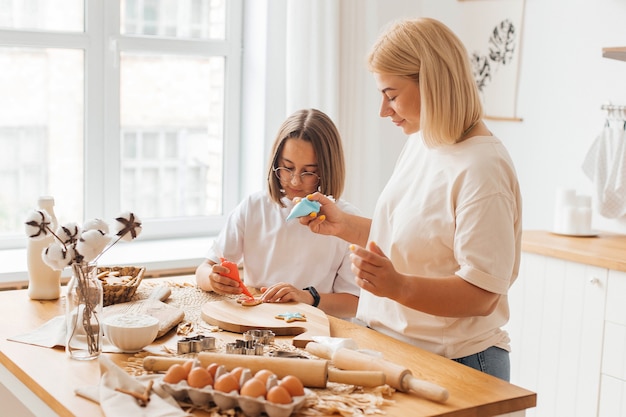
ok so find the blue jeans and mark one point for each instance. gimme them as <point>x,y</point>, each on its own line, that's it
<point>493,361</point>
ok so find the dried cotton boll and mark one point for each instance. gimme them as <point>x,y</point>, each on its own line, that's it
<point>57,257</point>
<point>91,244</point>
<point>127,226</point>
<point>96,224</point>
<point>69,232</point>
<point>36,223</point>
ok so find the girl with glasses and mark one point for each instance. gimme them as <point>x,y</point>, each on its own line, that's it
<point>286,261</point>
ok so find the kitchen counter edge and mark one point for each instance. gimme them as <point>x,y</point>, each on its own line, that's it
<point>605,250</point>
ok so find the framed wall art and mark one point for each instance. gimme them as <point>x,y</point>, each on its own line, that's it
<point>493,38</point>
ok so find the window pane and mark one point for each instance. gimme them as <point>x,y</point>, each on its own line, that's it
<point>41,133</point>
<point>59,15</point>
<point>191,19</point>
<point>172,134</point>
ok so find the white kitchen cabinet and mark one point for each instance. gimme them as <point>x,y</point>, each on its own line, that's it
<point>556,329</point>
<point>19,401</point>
<point>613,383</point>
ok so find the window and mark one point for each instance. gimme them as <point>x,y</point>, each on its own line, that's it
<point>120,105</point>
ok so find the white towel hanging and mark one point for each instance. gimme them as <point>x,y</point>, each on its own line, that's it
<point>605,166</point>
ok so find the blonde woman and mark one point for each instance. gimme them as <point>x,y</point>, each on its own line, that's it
<point>443,247</point>
<point>282,258</point>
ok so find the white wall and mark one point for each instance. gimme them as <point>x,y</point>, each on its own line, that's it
<point>563,82</point>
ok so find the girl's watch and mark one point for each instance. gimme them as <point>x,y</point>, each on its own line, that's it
<point>315,294</point>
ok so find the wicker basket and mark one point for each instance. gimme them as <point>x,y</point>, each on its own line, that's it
<point>119,283</point>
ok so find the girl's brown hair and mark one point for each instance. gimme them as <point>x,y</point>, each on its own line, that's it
<point>316,127</point>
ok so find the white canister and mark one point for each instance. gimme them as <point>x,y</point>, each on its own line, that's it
<point>44,283</point>
<point>564,201</point>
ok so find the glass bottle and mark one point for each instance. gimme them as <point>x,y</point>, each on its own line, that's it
<point>83,313</point>
<point>44,283</point>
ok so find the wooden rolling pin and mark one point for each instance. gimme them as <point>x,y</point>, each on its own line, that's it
<point>312,372</point>
<point>397,376</point>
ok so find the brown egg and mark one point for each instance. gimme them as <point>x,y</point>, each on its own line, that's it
<point>263,375</point>
<point>213,368</point>
<point>278,395</point>
<point>175,374</point>
<point>199,377</point>
<point>254,387</point>
<point>237,372</point>
<point>188,364</point>
<point>226,383</point>
<point>293,385</point>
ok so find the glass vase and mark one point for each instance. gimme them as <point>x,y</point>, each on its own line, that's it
<point>83,313</point>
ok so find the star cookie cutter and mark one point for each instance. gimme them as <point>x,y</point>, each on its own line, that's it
<point>263,337</point>
<point>244,347</point>
<point>195,344</point>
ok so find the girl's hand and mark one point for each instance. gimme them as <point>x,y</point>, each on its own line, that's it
<point>222,284</point>
<point>375,272</point>
<point>284,293</point>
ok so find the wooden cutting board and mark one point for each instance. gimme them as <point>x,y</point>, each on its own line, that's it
<point>168,315</point>
<point>233,317</point>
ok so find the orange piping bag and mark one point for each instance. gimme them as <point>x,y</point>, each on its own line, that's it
<point>234,274</point>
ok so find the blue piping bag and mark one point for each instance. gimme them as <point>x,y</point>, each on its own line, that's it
<point>303,208</point>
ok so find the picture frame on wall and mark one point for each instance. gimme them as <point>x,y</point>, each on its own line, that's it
<point>494,42</point>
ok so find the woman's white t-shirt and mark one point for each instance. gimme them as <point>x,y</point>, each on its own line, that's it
<point>450,210</point>
<point>275,250</point>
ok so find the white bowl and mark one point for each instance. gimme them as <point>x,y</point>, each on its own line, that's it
<point>131,332</point>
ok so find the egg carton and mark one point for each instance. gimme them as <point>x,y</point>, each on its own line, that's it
<point>251,407</point>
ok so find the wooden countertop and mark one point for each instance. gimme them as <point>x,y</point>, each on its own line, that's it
<point>605,250</point>
<point>52,376</point>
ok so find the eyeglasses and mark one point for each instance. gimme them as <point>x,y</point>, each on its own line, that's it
<point>286,175</point>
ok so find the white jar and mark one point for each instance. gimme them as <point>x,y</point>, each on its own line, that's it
<point>44,283</point>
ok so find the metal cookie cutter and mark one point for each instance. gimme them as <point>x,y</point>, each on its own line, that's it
<point>263,337</point>
<point>244,347</point>
<point>195,344</point>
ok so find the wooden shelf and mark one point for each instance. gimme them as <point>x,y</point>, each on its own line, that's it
<point>618,53</point>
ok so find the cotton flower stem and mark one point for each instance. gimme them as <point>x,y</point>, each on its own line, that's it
<point>56,237</point>
<point>85,293</point>
<point>106,249</point>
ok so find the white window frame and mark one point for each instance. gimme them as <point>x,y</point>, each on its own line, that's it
<point>102,43</point>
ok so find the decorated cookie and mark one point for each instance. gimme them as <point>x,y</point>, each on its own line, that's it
<point>249,301</point>
<point>291,316</point>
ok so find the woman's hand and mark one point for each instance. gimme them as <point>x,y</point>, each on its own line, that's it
<point>222,284</point>
<point>329,220</point>
<point>284,293</point>
<point>375,272</point>
<point>442,296</point>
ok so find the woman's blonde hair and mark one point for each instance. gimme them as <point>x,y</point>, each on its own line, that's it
<point>428,52</point>
<point>316,127</point>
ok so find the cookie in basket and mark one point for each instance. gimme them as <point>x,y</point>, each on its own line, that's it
<point>119,283</point>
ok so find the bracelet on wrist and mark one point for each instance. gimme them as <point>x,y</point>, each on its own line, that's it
<point>315,295</point>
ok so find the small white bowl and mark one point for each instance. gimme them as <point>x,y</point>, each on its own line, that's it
<point>131,332</point>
